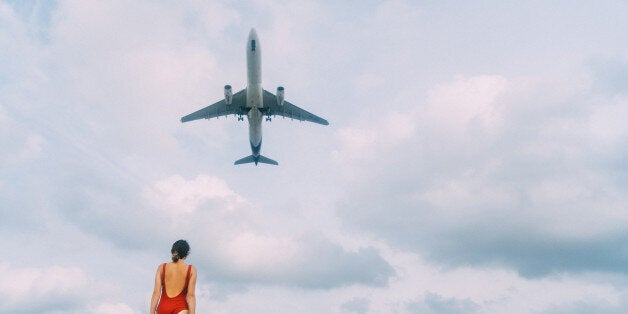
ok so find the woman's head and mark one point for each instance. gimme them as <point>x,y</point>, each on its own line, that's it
<point>180,250</point>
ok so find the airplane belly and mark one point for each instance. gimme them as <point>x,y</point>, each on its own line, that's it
<point>254,71</point>
<point>254,98</point>
<point>250,102</point>
<point>254,64</point>
<point>255,130</point>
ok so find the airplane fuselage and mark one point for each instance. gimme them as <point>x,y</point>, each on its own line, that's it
<point>254,98</point>
<point>254,102</point>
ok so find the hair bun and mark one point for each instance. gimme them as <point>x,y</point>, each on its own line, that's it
<point>180,249</point>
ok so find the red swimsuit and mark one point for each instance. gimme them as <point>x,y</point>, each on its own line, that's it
<point>168,305</point>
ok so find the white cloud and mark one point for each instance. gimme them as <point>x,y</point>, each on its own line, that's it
<point>113,308</point>
<point>357,305</point>
<point>448,179</point>
<point>34,289</point>
<point>607,128</point>
<point>20,145</point>
<point>32,147</point>
<point>420,286</point>
<point>423,286</point>
<point>250,253</point>
<point>178,196</point>
<point>466,104</point>
<point>463,114</point>
<point>236,241</point>
<point>477,169</point>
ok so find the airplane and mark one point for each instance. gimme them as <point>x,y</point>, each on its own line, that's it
<point>254,102</point>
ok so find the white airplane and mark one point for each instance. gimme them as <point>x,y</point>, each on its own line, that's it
<point>254,102</point>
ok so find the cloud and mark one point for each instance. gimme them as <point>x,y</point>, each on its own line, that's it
<point>421,286</point>
<point>112,75</point>
<point>84,104</point>
<point>610,75</point>
<point>236,244</point>
<point>232,240</point>
<point>357,305</point>
<point>434,303</point>
<point>464,104</point>
<point>590,305</point>
<point>20,74</point>
<point>460,135</point>
<point>479,175</point>
<point>40,289</point>
<point>113,308</point>
<point>20,145</point>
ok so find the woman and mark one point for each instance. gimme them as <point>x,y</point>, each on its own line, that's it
<point>176,283</point>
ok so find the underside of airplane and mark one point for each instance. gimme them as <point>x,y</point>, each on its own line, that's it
<point>255,103</point>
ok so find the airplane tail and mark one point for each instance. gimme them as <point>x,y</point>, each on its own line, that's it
<point>258,159</point>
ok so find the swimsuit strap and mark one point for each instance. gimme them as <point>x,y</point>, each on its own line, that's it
<point>163,276</point>
<point>187,277</point>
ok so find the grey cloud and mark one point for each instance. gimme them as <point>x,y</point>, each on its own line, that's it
<point>52,304</point>
<point>610,75</point>
<point>590,305</point>
<point>357,305</point>
<point>101,90</point>
<point>41,290</point>
<point>501,238</point>
<point>530,194</point>
<point>106,204</point>
<point>322,265</point>
<point>328,265</point>
<point>535,254</point>
<point>436,304</point>
<point>98,191</point>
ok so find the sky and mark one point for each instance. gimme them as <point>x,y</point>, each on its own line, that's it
<point>476,159</point>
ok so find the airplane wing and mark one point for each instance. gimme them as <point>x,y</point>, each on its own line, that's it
<point>220,108</point>
<point>288,110</point>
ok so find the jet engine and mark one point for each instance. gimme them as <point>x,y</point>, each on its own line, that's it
<point>280,95</point>
<point>228,95</point>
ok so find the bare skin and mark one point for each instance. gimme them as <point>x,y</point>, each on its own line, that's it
<point>175,282</point>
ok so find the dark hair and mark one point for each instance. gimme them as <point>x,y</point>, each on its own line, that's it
<point>180,250</point>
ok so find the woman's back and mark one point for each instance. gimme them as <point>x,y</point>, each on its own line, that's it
<point>175,278</point>
<point>175,284</point>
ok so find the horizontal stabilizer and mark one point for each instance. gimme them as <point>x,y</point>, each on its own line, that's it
<point>258,159</point>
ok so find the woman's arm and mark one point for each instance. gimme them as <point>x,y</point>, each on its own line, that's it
<point>156,291</point>
<point>191,296</point>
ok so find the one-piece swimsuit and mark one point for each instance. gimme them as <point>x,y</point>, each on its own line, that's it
<point>174,305</point>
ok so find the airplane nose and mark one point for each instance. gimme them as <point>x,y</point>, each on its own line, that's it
<point>252,33</point>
